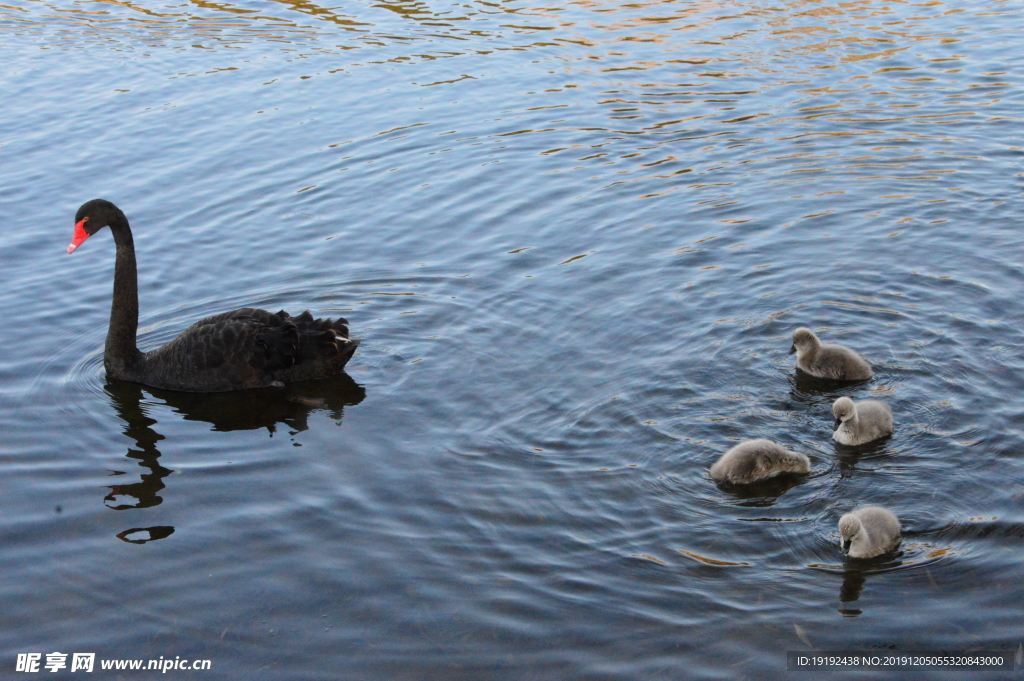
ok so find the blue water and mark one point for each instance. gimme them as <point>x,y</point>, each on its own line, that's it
<point>574,240</point>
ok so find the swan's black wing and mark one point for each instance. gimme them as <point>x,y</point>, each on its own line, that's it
<point>250,348</point>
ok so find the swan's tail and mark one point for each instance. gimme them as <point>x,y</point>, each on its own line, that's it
<point>323,346</point>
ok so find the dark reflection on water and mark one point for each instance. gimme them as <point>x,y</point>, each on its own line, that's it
<point>127,402</point>
<point>855,575</point>
<point>763,493</point>
<point>132,535</point>
<point>240,410</point>
<point>848,457</point>
<point>811,390</point>
<point>853,584</point>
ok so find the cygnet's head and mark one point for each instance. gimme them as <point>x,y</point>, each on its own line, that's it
<point>803,340</point>
<point>843,410</point>
<point>849,527</point>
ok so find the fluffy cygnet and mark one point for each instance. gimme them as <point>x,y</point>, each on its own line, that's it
<point>755,460</point>
<point>827,361</point>
<point>869,531</point>
<point>860,422</point>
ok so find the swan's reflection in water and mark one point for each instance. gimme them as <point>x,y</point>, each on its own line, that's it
<point>763,493</point>
<point>855,574</point>
<point>133,535</point>
<point>127,400</point>
<point>849,592</point>
<point>809,389</point>
<point>238,410</point>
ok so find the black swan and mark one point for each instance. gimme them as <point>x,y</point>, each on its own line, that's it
<point>247,348</point>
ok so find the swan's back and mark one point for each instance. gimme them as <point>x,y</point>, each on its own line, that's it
<point>249,348</point>
<point>755,460</point>
<point>837,362</point>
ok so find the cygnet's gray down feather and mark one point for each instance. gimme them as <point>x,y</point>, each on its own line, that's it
<point>860,422</point>
<point>828,361</point>
<point>869,531</point>
<point>755,460</point>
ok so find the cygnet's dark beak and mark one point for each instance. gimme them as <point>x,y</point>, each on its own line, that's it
<point>846,547</point>
<point>838,423</point>
<point>792,348</point>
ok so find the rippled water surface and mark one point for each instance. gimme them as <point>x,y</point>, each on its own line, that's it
<point>574,239</point>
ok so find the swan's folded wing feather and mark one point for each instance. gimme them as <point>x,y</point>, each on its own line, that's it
<point>253,348</point>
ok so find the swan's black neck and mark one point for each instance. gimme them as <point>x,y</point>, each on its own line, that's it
<point>121,356</point>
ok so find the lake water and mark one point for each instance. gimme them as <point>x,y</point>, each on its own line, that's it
<point>574,239</point>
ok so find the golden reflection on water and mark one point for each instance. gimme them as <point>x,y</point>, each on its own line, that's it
<point>681,31</point>
<point>651,97</point>
<point>710,561</point>
<point>668,73</point>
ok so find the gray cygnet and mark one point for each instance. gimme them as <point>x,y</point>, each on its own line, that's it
<point>860,422</point>
<point>869,531</point>
<point>755,460</point>
<point>828,360</point>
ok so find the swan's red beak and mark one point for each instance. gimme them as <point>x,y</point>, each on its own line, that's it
<point>80,235</point>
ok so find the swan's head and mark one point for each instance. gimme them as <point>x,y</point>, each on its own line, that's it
<point>843,410</point>
<point>92,217</point>
<point>849,528</point>
<point>803,340</point>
